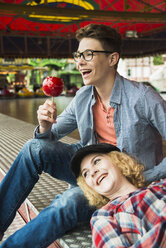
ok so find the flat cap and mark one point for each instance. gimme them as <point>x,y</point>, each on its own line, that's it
<point>84,151</point>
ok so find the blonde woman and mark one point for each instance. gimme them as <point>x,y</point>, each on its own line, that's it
<point>129,213</point>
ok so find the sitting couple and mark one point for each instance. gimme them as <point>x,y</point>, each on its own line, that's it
<point>130,213</point>
<point>107,109</point>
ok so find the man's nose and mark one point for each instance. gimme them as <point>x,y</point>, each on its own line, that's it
<point>80,62</point>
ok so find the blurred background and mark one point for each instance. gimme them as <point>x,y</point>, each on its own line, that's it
<point>37,39</point>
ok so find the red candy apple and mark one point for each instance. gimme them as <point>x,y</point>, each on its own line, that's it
<point>52,86</point>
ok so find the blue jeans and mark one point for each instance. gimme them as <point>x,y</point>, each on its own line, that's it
<point>63,214</point>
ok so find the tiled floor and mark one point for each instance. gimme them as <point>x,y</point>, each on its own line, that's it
<point>14,133</point>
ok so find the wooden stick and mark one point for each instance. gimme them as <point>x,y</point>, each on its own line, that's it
<point>52,103</point>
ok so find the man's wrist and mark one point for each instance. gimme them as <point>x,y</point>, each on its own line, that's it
<point>39,134</point>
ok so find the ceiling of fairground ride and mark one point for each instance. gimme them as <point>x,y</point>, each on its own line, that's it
<point>46,28</point>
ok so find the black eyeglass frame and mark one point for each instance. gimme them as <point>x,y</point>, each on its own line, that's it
<point>92,51</point>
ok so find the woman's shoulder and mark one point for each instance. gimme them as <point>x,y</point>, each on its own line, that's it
<point>132,202</point>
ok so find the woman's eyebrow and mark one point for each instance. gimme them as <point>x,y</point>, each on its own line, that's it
<point>83,170</point>
<point>92,161</point>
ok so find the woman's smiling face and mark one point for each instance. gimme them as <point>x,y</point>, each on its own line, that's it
<point>101,175</point>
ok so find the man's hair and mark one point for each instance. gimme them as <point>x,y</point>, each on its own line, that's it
<point>110,39</point>
<point>128,166</point>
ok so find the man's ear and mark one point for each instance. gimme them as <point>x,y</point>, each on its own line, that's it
<point>113,58</point>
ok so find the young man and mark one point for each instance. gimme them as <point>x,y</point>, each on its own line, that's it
<point>108,109</point>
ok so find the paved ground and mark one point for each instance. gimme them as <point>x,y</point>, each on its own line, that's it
<point>14,133</point>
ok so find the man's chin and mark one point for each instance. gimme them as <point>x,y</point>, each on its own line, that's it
<point>87,82</point>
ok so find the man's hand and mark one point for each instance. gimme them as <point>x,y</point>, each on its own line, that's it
<point>46,115</point>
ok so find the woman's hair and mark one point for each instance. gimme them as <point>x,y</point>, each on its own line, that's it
<point>128,166</point>
<point>109,38</point>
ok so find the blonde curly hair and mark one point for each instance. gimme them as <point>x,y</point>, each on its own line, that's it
<point>128,166</point>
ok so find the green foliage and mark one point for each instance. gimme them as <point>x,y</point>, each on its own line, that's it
<point>59,63</point>
<point>158,60</point>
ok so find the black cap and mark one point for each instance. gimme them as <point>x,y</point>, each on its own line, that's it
<point>84,151</point>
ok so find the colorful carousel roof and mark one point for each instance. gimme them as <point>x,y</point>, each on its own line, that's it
<point>46,28</point>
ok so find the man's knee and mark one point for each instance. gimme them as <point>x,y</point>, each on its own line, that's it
<point>74,203</point>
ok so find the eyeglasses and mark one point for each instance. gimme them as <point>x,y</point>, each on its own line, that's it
<point>87,54</point>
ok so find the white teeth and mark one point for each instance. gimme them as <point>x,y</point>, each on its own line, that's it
<point>86,71</point>
<point>100,179</point>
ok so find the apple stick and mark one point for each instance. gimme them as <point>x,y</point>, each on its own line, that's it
<point>52,103</point>
<point>53,86</point>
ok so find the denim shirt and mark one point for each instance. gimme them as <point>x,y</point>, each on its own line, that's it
<point>139,121</point>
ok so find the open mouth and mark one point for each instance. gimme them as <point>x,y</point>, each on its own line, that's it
<point>100,178</point>
<point>86,72</point>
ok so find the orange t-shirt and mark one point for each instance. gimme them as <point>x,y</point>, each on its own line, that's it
<point>103,122</point>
